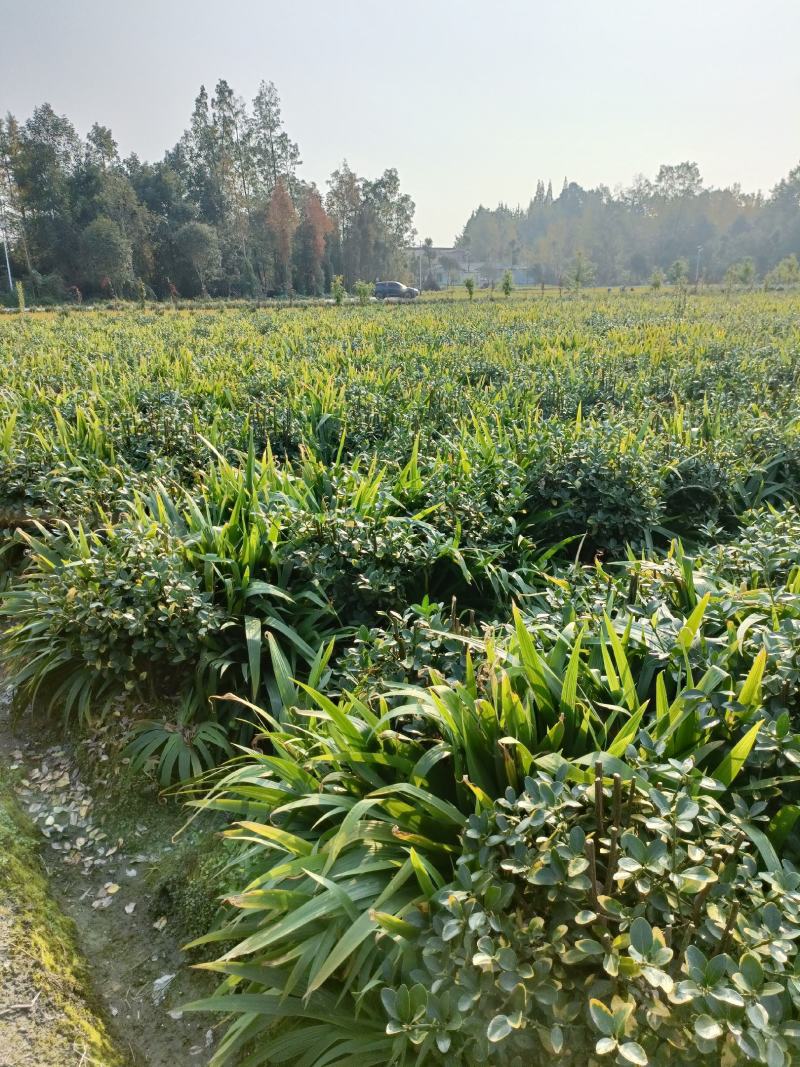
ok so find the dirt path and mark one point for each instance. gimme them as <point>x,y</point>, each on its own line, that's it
<point>99,879</point>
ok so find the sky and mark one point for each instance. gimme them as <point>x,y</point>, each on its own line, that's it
<point>471,102</point>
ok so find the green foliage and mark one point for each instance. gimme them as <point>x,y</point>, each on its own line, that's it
<point>783,274</point>
<point>180,750</point>
<point>469,285</point>
<point>581,272</point>
<point>221,211</point>
<point>507,284</point>
<point>102,612</point>
<point>106,255</point>
<point>404,647</point>
<point>628,920</point>
<point>20,297</point>
<point>633,232</point>
<point>340,521</point>
<point>198,247</point>
<point>741,273</point>
<point>678,273</point>
<point>364,291</point>
<point>420,612</point>
<point>338,289</point>
<point>667,661</point>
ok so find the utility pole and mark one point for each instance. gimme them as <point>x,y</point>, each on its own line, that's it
<point>8,265</point>
<point>5,249</point>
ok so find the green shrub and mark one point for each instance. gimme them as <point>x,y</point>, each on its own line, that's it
<point>604,483</point>
<point>101,613</point>
<point>364,291</point>
<point>182,749</point>
<point>630,924</point>
<point>404,649</point>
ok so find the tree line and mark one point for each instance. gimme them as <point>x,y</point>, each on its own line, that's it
<point>671,227</point>
<point>224,213</point>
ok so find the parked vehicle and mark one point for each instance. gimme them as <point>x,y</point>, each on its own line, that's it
<point>395,289</point>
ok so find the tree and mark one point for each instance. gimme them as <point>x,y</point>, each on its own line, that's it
<point>465,244</point>
<point>678,180</point>
<point>386,220</point>
<point>394,208</point>
<point>274,154</point>
<point>106,255</point>
<point>101,148</point>
<point>656,279</point>
<point>630,232</point>
<point>12,218</point>
<point>47,155</point>
<point>469,285</point>
<point>282,222</point>
<point>310,244</point>
<point>508,284</point>
<point>374,223</point>
<point>741,273</point>
<point>224,171</point>
<point>581,272</point>
<point>195,158</point>
<point>678,273</point>
<point>197,245</point>
<point>450,264</point>
<point>427,245</point>
<point>343,204</point>
<point>785,273</point>
<point>230,132</point>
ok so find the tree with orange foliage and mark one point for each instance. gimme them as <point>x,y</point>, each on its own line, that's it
<point>282,223</point>
<point>310,243</point>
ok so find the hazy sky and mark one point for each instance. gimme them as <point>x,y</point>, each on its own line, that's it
<point>472,102</point>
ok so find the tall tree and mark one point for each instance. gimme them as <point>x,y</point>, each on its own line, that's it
<point>195,157</point>
<point>12,206</point>
<point>678,180</point>
<point>274,154</point>
<point>48,155</point>
<point>101,148</point>
<point>343,204</point>
<point>374,223</point>
<point>310,244</point>
<point>282,220</point>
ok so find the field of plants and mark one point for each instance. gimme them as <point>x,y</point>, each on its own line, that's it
<point>475,630</point>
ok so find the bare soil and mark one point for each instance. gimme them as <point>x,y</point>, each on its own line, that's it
<point>98,875</point>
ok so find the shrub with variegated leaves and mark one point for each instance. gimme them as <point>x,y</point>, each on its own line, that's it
<point>615,922</point>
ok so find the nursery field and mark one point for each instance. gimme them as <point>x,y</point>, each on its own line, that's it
<point>468,632</point>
